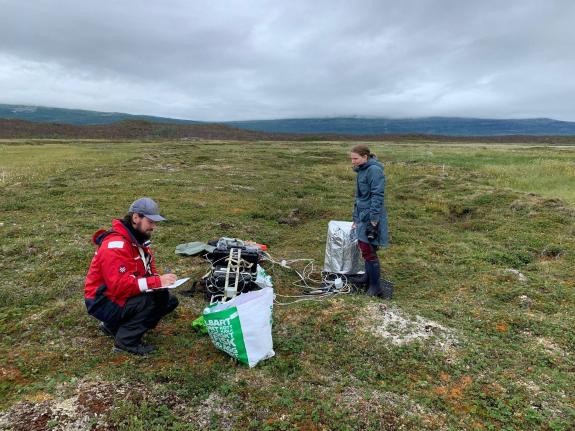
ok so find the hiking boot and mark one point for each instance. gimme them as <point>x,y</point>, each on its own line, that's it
<point>107,331</point>
<point>385,290</point>
<point>373,291</point>
<point>139,350</point>
<point>373,274</point>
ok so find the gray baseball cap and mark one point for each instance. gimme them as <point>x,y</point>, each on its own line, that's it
<point>148,207</point>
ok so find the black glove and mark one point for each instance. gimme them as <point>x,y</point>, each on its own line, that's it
<point>372,231</point>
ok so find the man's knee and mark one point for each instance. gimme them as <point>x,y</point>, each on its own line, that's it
<point>154,305</point>
<point>137,305</point>
<point>172,304</point>
<point>165,301</point>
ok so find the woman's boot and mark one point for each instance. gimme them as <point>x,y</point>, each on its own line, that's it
<point>373,269</point>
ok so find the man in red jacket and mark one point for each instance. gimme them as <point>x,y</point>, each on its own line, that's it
<point>123,288</point>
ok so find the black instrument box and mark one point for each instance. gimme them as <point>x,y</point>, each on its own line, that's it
<point>219,258</point>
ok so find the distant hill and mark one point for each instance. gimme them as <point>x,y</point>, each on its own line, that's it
<point>148,130</point>
<point>317,127</point>
<point>41,114</point>
<point>132,129</point>
<point>445,126</point>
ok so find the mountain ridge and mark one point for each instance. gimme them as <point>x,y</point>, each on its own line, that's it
<point>343,125</point>
<point>146,130</point>
<point>445,126</point>
<point>46,114</point>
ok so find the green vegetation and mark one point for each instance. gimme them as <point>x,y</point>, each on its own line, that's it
<point>482,248</point>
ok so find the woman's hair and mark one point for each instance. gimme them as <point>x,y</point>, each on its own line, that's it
<point>362,150</point>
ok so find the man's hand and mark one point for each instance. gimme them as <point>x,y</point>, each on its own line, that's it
<point>168,279</point>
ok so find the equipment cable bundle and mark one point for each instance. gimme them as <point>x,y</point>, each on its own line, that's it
<point>234,268</point>
<point>313,288</point>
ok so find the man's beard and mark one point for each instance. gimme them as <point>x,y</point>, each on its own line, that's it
<point>140,234</point>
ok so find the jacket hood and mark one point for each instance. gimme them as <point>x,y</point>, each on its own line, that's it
<point>118,228</point>
<point>121,228</point>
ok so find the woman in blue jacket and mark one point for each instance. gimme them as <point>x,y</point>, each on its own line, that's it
<point>370,216</point>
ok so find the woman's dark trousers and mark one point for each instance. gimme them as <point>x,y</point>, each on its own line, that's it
<point>373,272</point>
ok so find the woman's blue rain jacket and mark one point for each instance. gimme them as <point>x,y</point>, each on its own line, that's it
<point>369,201</point>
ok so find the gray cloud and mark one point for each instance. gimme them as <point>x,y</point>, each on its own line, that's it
<point>244,59</point>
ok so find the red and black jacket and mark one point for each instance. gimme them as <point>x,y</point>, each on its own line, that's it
<point>121,268</point>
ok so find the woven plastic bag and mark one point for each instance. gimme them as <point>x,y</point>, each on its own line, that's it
<point>263,280</point>
<point>242,327</point>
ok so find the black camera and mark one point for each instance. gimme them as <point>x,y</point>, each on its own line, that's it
<point>372,231</point>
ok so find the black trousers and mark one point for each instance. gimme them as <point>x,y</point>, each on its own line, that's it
<point>142,313</point>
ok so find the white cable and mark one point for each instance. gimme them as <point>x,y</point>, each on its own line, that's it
<point>324,288</point>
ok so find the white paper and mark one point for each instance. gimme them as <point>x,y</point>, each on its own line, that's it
<point>176,283</point>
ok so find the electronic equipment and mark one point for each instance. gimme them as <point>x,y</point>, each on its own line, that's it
<point>234,269</point>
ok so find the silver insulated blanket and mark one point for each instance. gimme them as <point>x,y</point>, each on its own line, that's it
<point>342,255</point>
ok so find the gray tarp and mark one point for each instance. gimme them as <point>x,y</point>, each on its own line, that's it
<point>193,248</point>
<point>342,255</point>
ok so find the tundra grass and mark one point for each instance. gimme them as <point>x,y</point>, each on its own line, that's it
<point>482,242</point>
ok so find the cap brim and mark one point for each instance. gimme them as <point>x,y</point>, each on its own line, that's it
<point>155,217</point>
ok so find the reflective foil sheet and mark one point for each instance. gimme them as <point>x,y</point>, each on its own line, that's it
<point>342,255</point>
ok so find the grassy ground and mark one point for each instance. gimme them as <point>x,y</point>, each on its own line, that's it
<point>482,250</point>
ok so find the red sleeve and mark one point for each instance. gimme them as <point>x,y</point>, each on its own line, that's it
<point>120,270</point>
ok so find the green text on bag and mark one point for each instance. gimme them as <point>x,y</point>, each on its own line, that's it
<point>225,331</point>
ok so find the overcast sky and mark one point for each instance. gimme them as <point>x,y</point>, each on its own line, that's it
<point>241,59</point>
